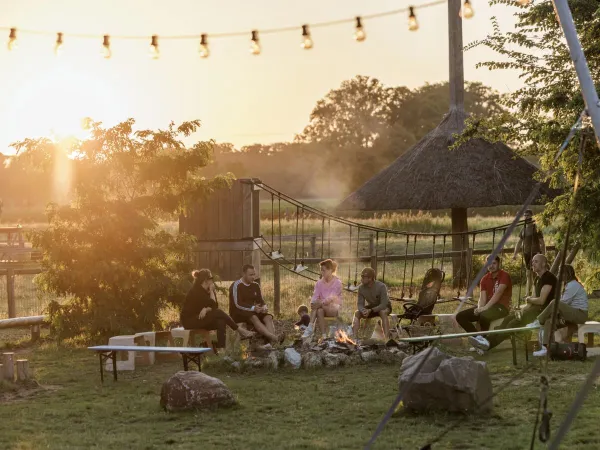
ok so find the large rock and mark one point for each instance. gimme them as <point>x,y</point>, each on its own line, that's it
<point>194,390</point>
<point>311,360</point>
<point>273,360</point>
<point>292,358</point>
<point>446,383</point>
<point>368,356</point>
<point>333,359</point>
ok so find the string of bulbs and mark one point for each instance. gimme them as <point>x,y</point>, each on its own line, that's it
<point>306,42</point>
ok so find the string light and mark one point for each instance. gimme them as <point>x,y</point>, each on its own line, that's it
<point>154,52</point>
<point>359,33</point>
<point>12,39</point>
<point>204,52</point>
<point>105,51</point>
<point>59,44</point>
<point>413,25</point>
<point>467,10</point>
<point>307,42</point>
<point>255,43</point>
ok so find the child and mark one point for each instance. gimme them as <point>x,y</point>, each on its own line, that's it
<point>304,318</point>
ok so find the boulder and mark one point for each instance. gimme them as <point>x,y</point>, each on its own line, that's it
<point>354,360</point>
<point>292,358</point>
<point>273,360</point>
<point>311,360</point>
<point>237,366</point>
<point>333,359</point>
<point>368,356</point>
<point>446,383</point>
<point>254,362</point>
<point>194,390</point>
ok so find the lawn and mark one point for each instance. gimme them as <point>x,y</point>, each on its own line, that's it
<point>326,408</point>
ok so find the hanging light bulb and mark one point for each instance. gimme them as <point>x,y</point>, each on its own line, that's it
<point>359,34</point>
<point>255,43</point>
<point>105,51</point>
<point>523,2</point>
<point>154,52</point>
<point>12,40</point>
<point>467,10</point>
<point>204,52</point>
<point>413,25</point>
<point>307,42</point>
<point>59,44</point>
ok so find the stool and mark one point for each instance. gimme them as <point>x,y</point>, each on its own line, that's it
<point>590,328</point>
<point>125,360</point>
<point>165,339</point>
<point>147,339</point>
<point>181,333</point>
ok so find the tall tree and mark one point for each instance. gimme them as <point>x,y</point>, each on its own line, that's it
<point>106,251</point>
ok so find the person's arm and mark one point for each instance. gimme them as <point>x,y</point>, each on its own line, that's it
<point>316,293</point>
<point>261,300</point>
<point>339,292</point>
<point>384,300</point>
<point>496,297</point>
<point>482,298</point>
<point>234,291</point>
<point>360,303</point>
<point>543,295</point>
<point>569,294</point>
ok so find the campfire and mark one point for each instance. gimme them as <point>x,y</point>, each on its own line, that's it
<point>341,337</point>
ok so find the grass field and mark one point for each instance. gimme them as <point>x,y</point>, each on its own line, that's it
<point>326,408</point>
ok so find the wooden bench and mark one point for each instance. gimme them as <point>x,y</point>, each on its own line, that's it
<point>193,354</point>
<point>414,341</point>
<point>21,322</point>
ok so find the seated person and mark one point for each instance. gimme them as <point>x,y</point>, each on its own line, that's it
<point>572,308</point>
<point>304,318</point>
<point>494,302</point>
<point>246,305</point>
<point>544,288</point>
<point>372,301</point>
<point>327,298</point>
<point>201,311</point>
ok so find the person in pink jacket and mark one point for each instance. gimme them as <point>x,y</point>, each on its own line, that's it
<point>327,298</point>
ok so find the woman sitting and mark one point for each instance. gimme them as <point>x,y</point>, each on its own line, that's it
<point>327,298</point>
<point>201,311</point>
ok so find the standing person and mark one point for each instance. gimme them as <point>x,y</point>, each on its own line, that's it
<point>531,241</point>
<point>327,298</point>
<point>572,308</point>
<point>247,305</point>
<point>373,301</point>
<point>201,311</point>
<point>545,288</point>
<point>494,303</point>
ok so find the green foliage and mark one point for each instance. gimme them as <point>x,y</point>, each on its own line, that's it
<point>547,105</point>
<point>105,250</point>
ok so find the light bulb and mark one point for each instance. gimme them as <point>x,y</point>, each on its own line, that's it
<point>523,2</point>
<point>154,52</point>
<point>12,40</point>
<point>359,33</point>
<point>255,43</point>
<point>204,52</point>
<point>59,44</point>
<point>413,25</point>
<point>467,10</point>
<point>307,42</point>
<point>105,51</point>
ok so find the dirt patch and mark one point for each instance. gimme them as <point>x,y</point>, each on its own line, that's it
<point>17,392</point>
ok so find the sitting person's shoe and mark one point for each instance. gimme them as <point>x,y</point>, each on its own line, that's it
<point>479,342</point>
<point>245,334</point>
<point>308,332</point>
<point>541,352</point>
<point>534,324</point>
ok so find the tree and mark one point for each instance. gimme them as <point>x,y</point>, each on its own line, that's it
<point>106,252</point>
<point>547,105</point>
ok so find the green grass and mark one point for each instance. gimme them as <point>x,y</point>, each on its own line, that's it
<point>326,408</point>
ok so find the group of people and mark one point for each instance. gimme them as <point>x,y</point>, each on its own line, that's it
<point>246,304</point>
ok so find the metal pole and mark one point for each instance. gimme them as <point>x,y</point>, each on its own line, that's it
<point>588,89</point>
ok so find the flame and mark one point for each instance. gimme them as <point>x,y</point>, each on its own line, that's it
<point>342,337</point>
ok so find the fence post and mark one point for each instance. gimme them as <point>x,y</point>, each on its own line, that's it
<point>276,289</point>
<point>313,246</point>
<point>10,293</point>
<point>371,245</point>
<point>372,254</point>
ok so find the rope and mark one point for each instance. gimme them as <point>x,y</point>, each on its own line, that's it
<point>357,253</point>
<point>405,263</point>
<point>412,271</point>
<point>272,219</point>
<point>329,238</point>
<point>384,256</point>
<point>279,214</point>
<point>322,237</point>
<point>302,257</point>
<point>433,253</point>
<point>349,253</point>
<point>444,253</point>
<point>296,249</point>
<point>376,250</point>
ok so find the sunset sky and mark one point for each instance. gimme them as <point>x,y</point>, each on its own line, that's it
<point>239,97</point>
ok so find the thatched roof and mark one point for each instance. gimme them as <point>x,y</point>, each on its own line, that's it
<point>430,176</point>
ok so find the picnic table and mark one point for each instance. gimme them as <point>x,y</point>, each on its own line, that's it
<point>106,352</point>
<point>438,337</point>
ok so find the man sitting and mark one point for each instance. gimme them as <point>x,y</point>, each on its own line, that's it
<point>494,302</point>
<point>372,301</point>
<point>246,305</point>
<point>545,286</point>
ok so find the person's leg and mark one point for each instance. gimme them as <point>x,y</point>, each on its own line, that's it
<point>466,318</point>
<point>565,312</point>
<point>268,321</point>
<point>489,315</point>
<point>510,321</point>
<point>219,314</point>
<point>385,322</point>
<point>262,329</point>
<point>321,320</point>
<point>356,323</point>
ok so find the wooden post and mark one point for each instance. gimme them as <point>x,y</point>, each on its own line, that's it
<point>276,289</point>
<point>9,366</point>
<point>35,333</point>
<point>313,246</point>
<point>10,292</point>
<point>22,369</point>
<point>460,243</point>
<point>455,55</point>
<point>1,371</point>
